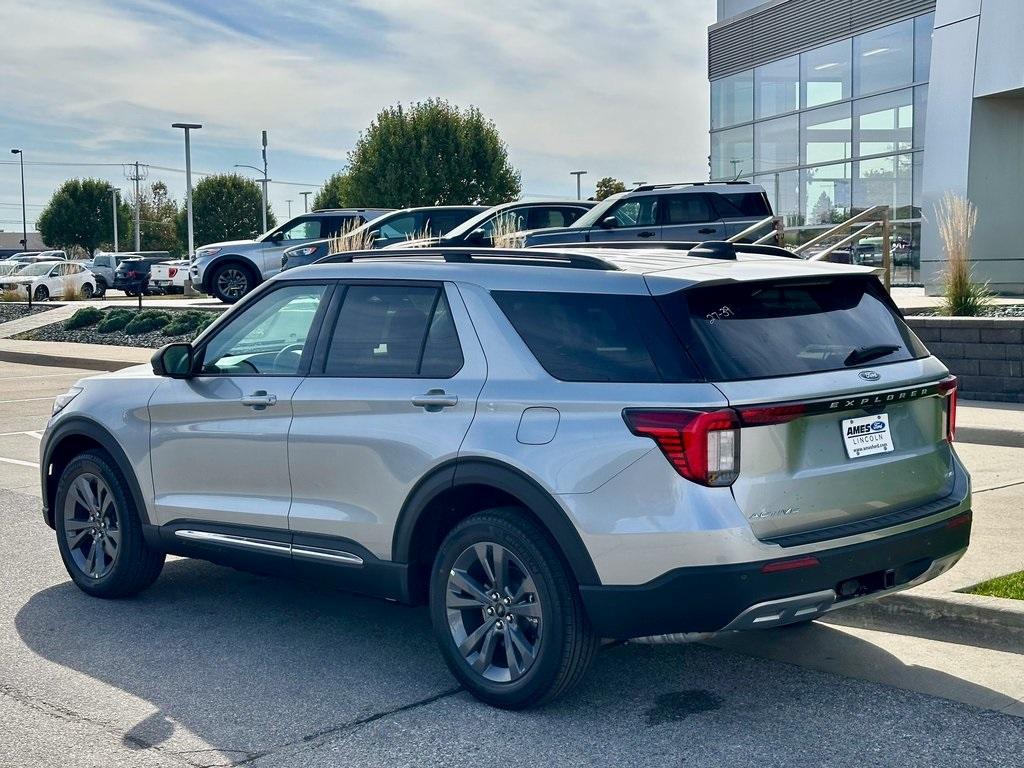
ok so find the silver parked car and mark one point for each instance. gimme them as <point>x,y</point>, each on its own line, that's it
<point>547,447</point>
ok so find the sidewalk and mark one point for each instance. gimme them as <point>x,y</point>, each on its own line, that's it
<point>93,357</point>
<point>61,312</point>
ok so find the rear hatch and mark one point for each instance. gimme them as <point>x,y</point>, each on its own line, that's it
<point>843,415</point>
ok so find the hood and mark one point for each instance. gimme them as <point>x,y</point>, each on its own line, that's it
<point>227,244</point>
<point>555,235</point>
<point>423,242</point>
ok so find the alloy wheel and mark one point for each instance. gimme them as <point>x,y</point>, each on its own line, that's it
<point>91,525</point>
<point>494,612</point>
<point>232,282</point>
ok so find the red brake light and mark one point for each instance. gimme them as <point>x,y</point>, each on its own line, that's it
<point>947,389</point>
<point>807,561</point>
<point>760,416</point>
<point>172,271</point>
<point>703,446</point>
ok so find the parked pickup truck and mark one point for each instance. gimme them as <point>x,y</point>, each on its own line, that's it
<point>169,276</point>
<point>104,263</point>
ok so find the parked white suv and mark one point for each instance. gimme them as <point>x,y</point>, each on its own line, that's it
<point>44,280</point>
<point>547,447</point>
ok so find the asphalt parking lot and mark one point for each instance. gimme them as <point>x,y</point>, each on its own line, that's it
<point>215,667</point>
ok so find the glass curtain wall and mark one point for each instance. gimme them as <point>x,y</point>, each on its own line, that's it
<point>833,131</point>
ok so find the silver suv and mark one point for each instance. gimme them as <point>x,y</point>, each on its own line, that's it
<point>546,447</point>
<point>230,269</point>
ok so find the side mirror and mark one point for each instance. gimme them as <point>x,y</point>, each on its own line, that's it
<point>277,237</point>
<point>175,361</point>
<point>477,236</point>
<point>609,222</point>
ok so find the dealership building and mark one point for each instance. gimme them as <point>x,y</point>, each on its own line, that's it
<point>835,106</point>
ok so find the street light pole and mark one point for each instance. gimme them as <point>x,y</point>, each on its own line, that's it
<point>24,218</point>
<point>263,183</point>
<point>305,201</point>
<point>578,174</point>
<point>187,127</point>
<point>113,208</point>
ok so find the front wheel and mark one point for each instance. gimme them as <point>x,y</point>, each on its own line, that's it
<point>506,611</point>
<point>87,291</point>
<point>99,533</point>
<point>230,282</point>
<point>42,293</point>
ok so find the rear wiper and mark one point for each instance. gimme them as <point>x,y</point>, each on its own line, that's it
<point>864,354</point>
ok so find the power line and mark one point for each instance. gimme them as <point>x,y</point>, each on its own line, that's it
<point>141,165</point>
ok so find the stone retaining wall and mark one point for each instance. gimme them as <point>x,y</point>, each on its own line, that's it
<point>986,353</point>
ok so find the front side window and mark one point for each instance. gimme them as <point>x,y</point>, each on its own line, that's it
<point>398,228</point>
<point>304,229</point>
<point>394,331</point>
<point>597,337</point>
<point>269,337</point>
<point>637,211</point>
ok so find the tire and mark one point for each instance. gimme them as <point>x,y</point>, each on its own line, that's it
<point>101,288</point>
<point>87,291</point>
<point>99,533</point>
<point>231,281</point>
<point>41,293</point>
<point>548,619</point>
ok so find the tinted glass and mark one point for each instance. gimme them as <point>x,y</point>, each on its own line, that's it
<point>758,329</point>
<point>552,217</point>
<point>732,100</point>
<point>398,227</point>
<point>825,74</point>
<point>393,331</point>
<point>637,211</point>
<point>923,46</point>
<point>591,337</point>
<point>777,143</point>
<point>307,229</point>
<point>687,209</point>
<point>737,205</point>
<point>884,58</point>
<point>777,87</point>
<point>441,222</point>
<point>269,336</point>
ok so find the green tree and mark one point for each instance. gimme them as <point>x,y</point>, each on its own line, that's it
<point>431,153</point>
<point>607,187</point>
<point>224,207</point>
<point>80,215</point>
<point>158,213</point>
<point>334,193</point>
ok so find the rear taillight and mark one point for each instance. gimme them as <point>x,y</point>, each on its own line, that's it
<point>172,271</point>
<point>703,446</point>
<point>763,415</point>
<point>947,389</point>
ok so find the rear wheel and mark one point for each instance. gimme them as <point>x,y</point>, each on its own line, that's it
<point>87,292</point>
<point>42,293</point>
<point>99,534</point>
<point>231,281</point>
<point>507,613</point>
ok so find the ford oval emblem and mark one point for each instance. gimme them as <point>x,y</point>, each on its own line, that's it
<point>870,375</point>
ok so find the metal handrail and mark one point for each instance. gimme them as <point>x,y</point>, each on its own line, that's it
<point>872,211</point>
<point>856,235</point>
<point>769,221</point>
<point>880,216</point>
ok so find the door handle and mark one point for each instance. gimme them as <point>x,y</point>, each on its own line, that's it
<point>707,230</point>
<point>259,400</point>
<point>645,233</point>
<point>434,400</point>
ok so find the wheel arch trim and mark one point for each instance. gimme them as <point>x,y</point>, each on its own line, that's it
<point>483,471</point>
<point>82,426</point>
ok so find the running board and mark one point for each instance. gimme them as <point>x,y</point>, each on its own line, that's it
<point>263,545</point>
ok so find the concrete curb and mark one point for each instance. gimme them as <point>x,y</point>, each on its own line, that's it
<point>62,361</point>
<point>993,622</point>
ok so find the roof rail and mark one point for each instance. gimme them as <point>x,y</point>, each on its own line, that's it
<point>534,258</point>
<point>676,245</point>
<point>649,187</point>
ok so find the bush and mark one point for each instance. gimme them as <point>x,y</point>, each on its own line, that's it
<point>205,324</point>
<point>147,320</point>
<point>187,322</point>
<point>115,320</point>
<point>82,318</point>
<point>7,296</point>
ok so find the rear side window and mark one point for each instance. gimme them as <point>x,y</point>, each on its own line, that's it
<point>597,337</point>
<point>394,332</point>
<point>688,209</point>
<point>764,329</point>
<point>743,205</point>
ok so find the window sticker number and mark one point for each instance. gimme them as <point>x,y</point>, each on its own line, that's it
<point>719,314</point>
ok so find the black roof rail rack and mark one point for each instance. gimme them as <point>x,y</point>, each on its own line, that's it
<point>540,258</point>
<point>649,187</point>
<point>676,245</point>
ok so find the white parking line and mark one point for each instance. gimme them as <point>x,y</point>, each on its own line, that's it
<point>36,435</point>
<point>25,400</point>
<point>30,433</point>
<point>19,462</point>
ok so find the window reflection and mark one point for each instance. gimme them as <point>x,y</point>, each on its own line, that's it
<point>825,74</point>
<point>732,100</point>
<point>777,87</point>
<point>884,58</point>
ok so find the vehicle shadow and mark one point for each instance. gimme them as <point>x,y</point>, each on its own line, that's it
<point>249,666</point>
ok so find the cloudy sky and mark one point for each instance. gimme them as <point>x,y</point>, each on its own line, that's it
<point>615,88</point>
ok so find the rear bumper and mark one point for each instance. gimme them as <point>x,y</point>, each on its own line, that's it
<point>743,596</point>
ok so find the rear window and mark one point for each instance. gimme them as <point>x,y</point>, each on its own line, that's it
<point>597,337</point>
<point>764,329</point>
<point>743,205</point>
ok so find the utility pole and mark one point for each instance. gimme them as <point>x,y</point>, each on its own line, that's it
<point>265,184</point>
<point>136,175</point>
<point>188,200</point>
<point>578,174</point>
<point>24,218</point>
<point>113,208</point>
<point>305,201</point>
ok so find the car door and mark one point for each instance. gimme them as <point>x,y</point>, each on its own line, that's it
<point>393,397</point>
<point>634,218</point>
<point>218,440</point>
<point>690,216</point>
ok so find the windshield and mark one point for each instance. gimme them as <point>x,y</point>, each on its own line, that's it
<point>595,214</point>
<point>34,270</point>
<point>10,268</point>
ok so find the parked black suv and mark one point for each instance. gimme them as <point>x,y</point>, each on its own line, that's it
<point>132,276</point>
